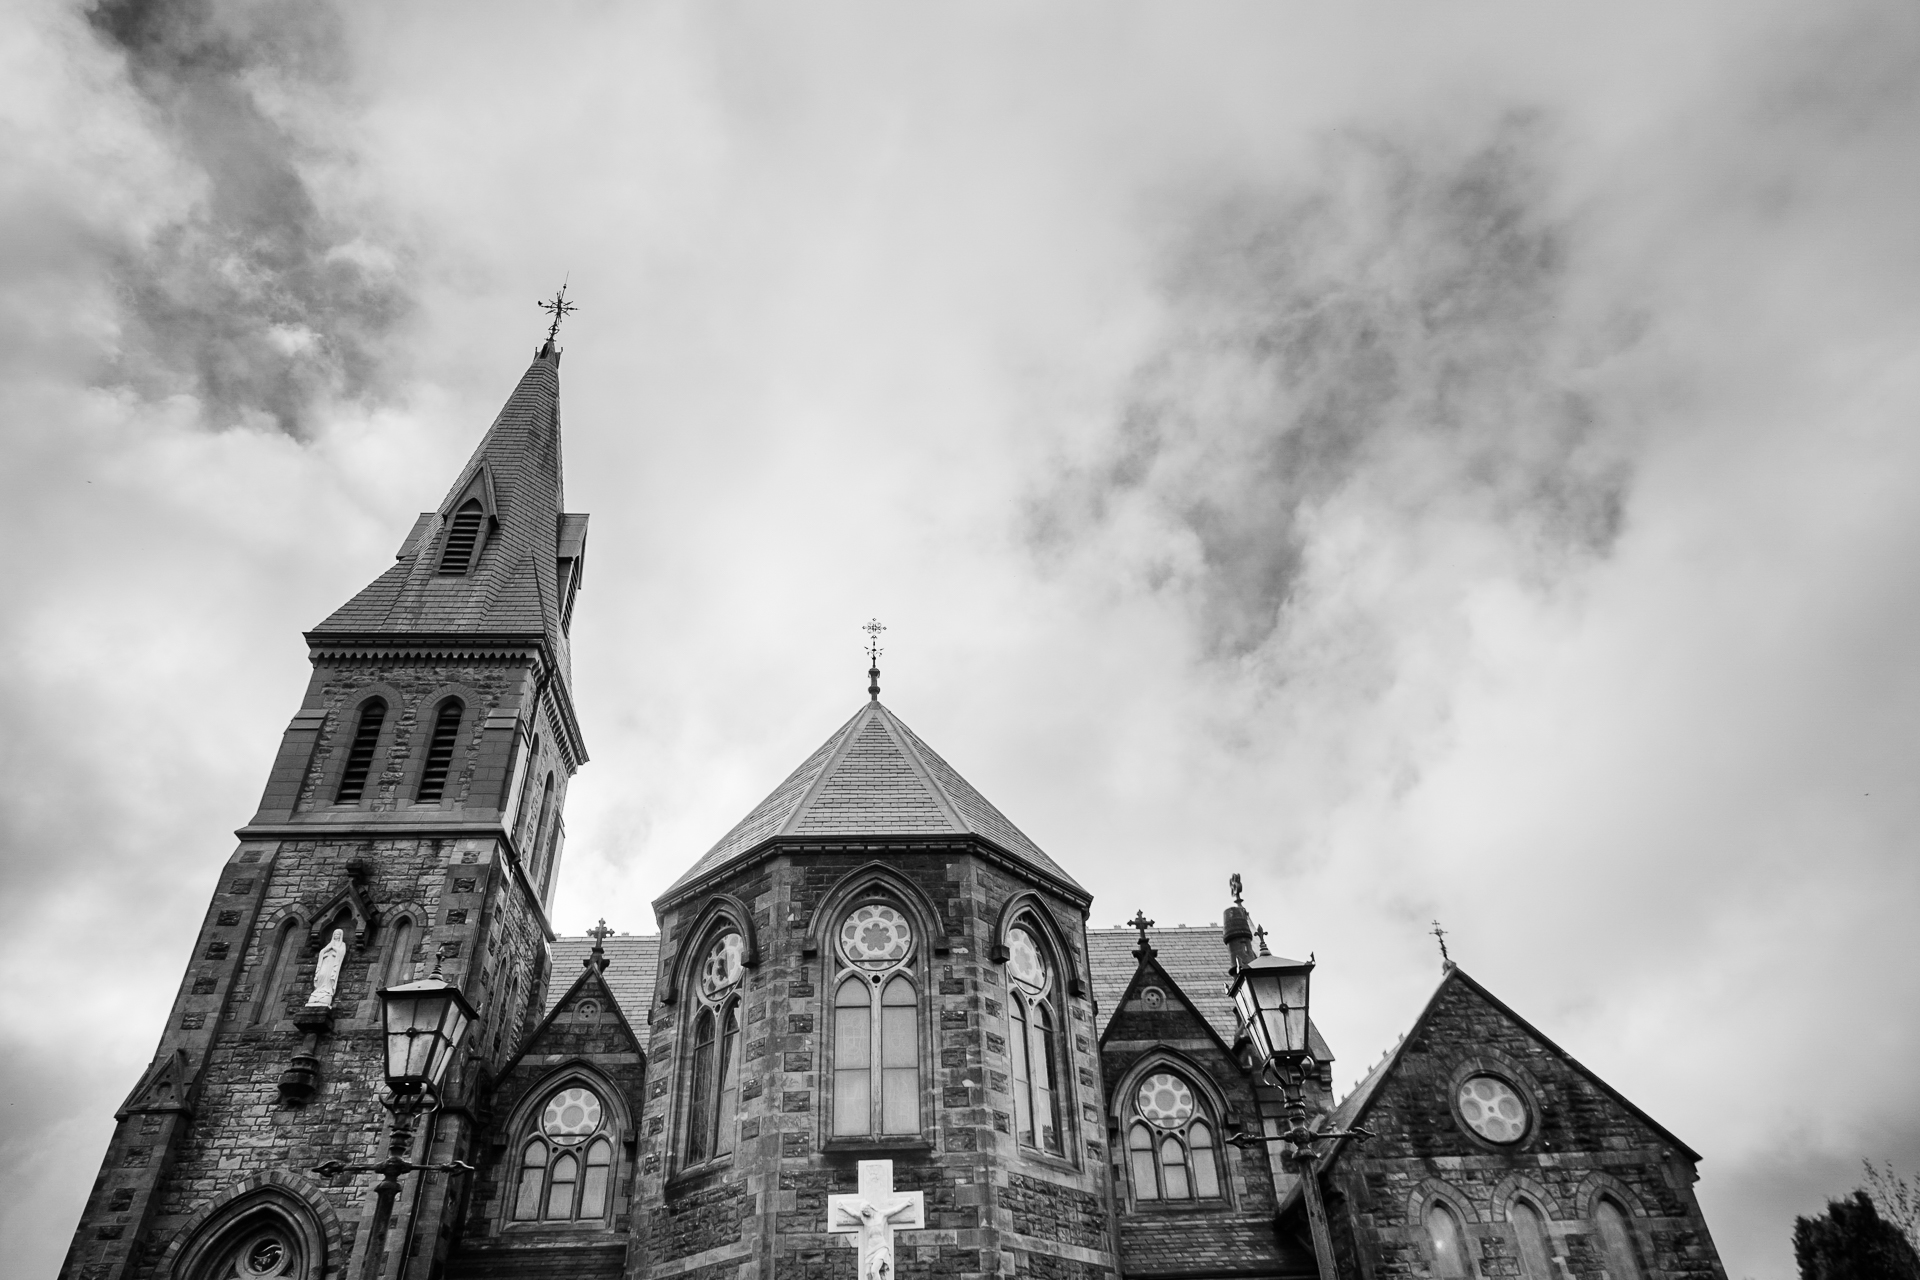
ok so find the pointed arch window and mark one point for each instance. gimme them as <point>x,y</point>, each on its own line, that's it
<point>534,863</point>
<point>400,952</point>
<point>1616,1236</point>
<point>1536,1251</point>
<point>1033,1043</point>
<point>463,536</point>
<point>876,1026</point>
<point>265,1244</point>
<point>366,737</point>
<point>275,972</point>
<point>1447,1240</point>
<point>714,1083</point>
<point>446,735</point>
<point>566,1163</point>
<point>1172,1153</point>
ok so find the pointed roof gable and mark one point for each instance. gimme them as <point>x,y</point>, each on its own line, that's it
<point>633,962</point>
<point>605,1036</point>
<point>514,586</point>
<point>873,777</point>
<point>1352,1109</point>
<point>1194,960</point>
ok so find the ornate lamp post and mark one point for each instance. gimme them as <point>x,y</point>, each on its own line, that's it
<point>1271,995</point>
<point>423,1023</point>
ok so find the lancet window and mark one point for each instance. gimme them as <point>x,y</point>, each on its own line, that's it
<point>566,1163</point>
<point>1616,1236</point>
<point>1536,1250</point>
<point>876,1025</point>
<point>1033,1043</point>
<point>446,735</point>
<point>714,1083</point>
<point>366,736</point>
<point>1447,1240</point>
<point>1172,1151</point>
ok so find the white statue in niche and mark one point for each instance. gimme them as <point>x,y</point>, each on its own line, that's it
<point>326,971</point>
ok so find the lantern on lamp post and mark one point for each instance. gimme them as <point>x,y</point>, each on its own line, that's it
<point>1272,998</point>
<point>422,1025</point>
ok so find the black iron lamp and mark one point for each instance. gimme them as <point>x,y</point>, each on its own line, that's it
<point>423,1023</point>
<point>1271,996</point>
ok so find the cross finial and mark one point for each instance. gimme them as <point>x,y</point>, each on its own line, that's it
<point>599,933</point>
<point>1260,933</point>
<point>1440,935</point>
<point>873,630</point>
<point>559,308</point>
<point>1233,883</point>
<point>1141,923</point>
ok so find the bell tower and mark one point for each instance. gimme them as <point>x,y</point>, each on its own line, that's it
<point>414,810</point>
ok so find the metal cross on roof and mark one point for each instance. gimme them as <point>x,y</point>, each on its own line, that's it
<point>559,308</point>
<point>600,933</point>
<point>1260,932</point>
<point>1141,923</point>
<point>1441,936</point>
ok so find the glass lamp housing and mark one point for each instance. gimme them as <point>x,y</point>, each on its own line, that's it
<point>424,1023</point>
<point>1271,995</point>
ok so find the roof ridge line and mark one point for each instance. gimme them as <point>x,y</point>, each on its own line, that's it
<point>848,733</point>
<point>904,741</point>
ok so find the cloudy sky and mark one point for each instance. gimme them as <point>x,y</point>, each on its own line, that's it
<point>1437,461</point>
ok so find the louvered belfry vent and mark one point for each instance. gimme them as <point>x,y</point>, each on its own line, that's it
<point>457,556</point>
<point>446,728</point>
<point>353,782</point>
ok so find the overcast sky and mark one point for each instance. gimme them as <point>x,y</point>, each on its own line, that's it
<point>1436,461</point>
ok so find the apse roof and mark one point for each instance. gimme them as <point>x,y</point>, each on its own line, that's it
<point>873,777</point>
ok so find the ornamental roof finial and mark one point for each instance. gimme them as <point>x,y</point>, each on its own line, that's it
<point>873,630</point>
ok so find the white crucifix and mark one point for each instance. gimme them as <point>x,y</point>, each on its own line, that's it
<point>875,1213</point>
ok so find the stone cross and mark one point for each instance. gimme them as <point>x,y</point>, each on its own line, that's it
<point>875,1213</point>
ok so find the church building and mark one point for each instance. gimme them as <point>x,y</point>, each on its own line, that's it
<point>870,1031</point>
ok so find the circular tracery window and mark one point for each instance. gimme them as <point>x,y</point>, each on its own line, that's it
<point>1491,1108</point>
<point>266,1256</point>
<point>1165,1100</point>
<point>571,1116</point>
<point>721,970</point>
<point>876,936</point>
<point>1024,962</point>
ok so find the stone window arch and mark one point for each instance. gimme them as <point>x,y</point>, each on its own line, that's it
<point>874,1012</point>
<point>1615,1230</point>
<point>442,743</point>
<point>565,1156</point>
<point>715,1022</point>
<point>1172,1128</point>
<point>402,937</point>
<point>1036,1040</point>
<point>1446,1240</point>
<point>1533,1244</point>
<point>263,1229</point>
<point>279,957</point>
<point>361,749</point>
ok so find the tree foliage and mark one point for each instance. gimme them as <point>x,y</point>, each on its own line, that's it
<point>1897,1198</point>
<point>1851,1241</point>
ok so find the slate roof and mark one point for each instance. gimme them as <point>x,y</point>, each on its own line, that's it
<point>514,587</point>
<point>1194,958</point>
<point>632,962</point>
<point>872,777</point>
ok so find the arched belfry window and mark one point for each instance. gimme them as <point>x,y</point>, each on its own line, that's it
<point>566,1162</point>
<point>1033,1043</point>
<point>366,737</point>
<point>714,1080</point>
<point>876,1025</point>
<point>1172,1151</point>
<point>446,735</point>
<point>463,536</point>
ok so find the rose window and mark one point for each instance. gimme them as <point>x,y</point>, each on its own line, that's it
<point>721,969</point>
<point>572,1116</point>
<point>1024,962</point>
<point>1165,1100</point>
<point>1492,1109</point>
<point>876,936</point>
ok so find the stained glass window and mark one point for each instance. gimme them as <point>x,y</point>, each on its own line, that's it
<point>1448,1242</point>
<point>1536,1253</point>
<point>558,1181</point>
<point>1032,1044</point>
<point>876,1027</point>
<point>1171,1150</point>
<point>1492,1109</point>
<point>876,936</point>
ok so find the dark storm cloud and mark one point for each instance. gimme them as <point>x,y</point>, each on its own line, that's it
<point>256,301</point>
<point>1403,318</point>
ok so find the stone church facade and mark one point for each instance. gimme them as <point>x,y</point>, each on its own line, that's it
<point>875,963</point>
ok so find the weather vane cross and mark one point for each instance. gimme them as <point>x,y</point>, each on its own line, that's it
<point>873,630</point>
<point>1440,935</point>
<point>559,308</point>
